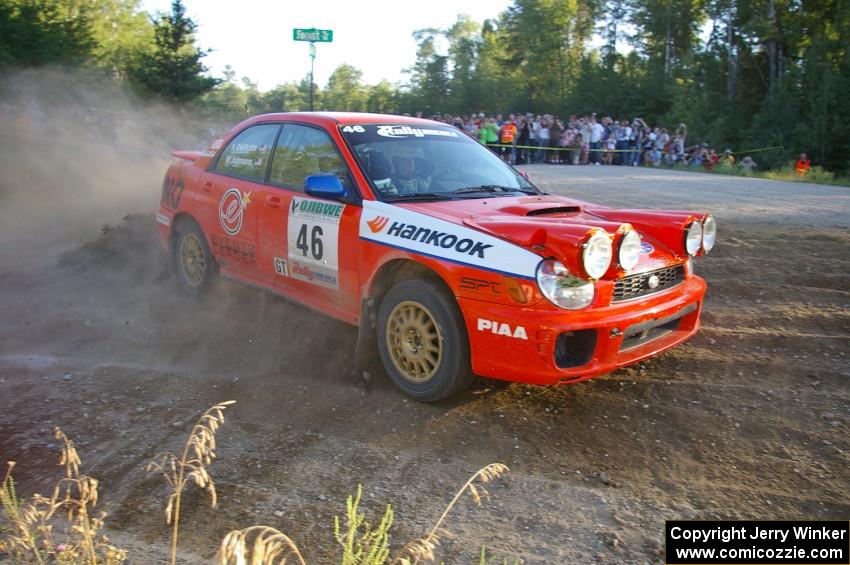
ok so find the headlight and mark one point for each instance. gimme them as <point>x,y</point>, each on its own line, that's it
<point>709,233</point>
<point>629,253</point>
<point>693,238</point>
<point>561,288</point>
<point>597,254</point>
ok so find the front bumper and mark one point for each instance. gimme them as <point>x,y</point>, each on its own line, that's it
<point>562,346</point>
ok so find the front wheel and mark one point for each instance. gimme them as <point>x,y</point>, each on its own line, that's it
<point>422,341</point>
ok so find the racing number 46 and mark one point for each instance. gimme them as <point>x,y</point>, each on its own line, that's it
<point>315,247</point>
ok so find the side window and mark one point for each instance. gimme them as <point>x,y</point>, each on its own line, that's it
<point>248,154</point>
<point>303,151</point>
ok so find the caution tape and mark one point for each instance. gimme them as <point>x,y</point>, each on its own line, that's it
<point>601,150</point>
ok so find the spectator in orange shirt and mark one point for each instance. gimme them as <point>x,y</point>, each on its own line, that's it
<point>508,137</point>
<point>802,165</point>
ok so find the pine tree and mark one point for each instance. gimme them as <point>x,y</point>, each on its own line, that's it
<point>173,69</point>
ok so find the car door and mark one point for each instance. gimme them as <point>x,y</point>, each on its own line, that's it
<point>227,200</point>
<point>308,245</point>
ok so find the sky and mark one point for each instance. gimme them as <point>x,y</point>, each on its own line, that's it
<point>254,37</point>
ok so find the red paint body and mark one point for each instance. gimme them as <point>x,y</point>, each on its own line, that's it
<point>250,255</point>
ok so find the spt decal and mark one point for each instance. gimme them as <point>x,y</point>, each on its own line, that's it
<point>231,210</point>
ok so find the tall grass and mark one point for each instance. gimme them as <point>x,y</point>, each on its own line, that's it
<point>191,466</point>
<point>32,536</point>
<point>30,533</point>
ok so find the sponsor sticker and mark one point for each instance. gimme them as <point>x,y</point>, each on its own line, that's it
<point>313,241</point>
<point>401,228</point>
<point>231,210</point>
<point>646,248</point>
<point>407,131</point>
<point>280,267</point>
<point>172,192</point>
<point>234,249</point>
<point>501,328</point>
<point>480,286</point>
<point>163,219</point>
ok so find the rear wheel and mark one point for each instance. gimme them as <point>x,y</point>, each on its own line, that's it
<point>422,341</point>
<point>193,261</point>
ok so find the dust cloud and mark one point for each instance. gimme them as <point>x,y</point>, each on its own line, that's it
<point>78,152</point>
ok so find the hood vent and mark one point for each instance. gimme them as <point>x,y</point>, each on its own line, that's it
<point>554,211</point>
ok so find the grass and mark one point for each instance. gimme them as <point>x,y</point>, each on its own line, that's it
<point>816,175</point>
<point>65,529</point>
<point>191,466</point>
<point>31,534</point>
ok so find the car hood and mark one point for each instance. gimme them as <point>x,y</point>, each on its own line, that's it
<point>556,226</point>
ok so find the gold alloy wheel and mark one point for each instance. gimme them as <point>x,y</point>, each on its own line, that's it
<point>414,341</point>
<point>192,260</point>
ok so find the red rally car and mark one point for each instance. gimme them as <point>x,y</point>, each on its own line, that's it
<point>449,261</point>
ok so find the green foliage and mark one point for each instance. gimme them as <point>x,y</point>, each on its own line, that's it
<point>173,68</point>
<point>743,74</point>
<point>40,32</point>
<point>361,545</point>
<point>345,91</point>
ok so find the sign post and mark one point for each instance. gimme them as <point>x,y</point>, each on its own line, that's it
<point>314,36</point>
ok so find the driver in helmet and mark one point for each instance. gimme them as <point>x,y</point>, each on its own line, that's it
<point>411,173</point>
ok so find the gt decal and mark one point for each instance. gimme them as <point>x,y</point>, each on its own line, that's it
<point>405,229</point>
<point>280,267</point>
<point>313,241</point>
<point>231,210</point>
<point>500,328</point>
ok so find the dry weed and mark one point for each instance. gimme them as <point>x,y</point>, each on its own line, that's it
<point>269,547</point>
<point>32,536</point>
<point>423,548</point>
<point>198,452</point>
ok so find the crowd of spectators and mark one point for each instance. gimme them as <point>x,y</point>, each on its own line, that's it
<point>587,140</point>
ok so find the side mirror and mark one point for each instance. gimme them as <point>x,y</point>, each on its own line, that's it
<point>324,186</point>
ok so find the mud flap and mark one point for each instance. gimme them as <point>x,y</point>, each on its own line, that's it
<point>366,358</point>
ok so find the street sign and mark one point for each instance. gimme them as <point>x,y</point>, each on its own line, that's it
<point>313,34</point>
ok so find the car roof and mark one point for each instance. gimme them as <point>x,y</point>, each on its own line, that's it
<point>331,119</point>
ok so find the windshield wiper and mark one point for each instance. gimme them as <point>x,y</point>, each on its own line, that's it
<point>490,188</point>
<point>418,196</point>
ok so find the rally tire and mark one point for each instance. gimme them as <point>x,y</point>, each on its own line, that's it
<point>194,264</point>
<point>422,341</point>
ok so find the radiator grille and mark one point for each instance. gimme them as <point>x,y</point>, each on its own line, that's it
<point>639,285</point>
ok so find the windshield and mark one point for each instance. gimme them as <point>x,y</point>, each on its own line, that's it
<point>430,162</point>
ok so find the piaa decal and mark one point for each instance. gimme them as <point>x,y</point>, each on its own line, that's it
<point>500,328</point>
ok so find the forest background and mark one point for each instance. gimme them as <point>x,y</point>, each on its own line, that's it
<point>745,74</point>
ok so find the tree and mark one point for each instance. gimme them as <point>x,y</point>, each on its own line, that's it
<point>34,33</point>
<point>345,91</point>
<point>173,69</point>
<point>429,76</point>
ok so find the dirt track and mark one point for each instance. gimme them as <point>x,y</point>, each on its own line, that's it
<point>748,420</point>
